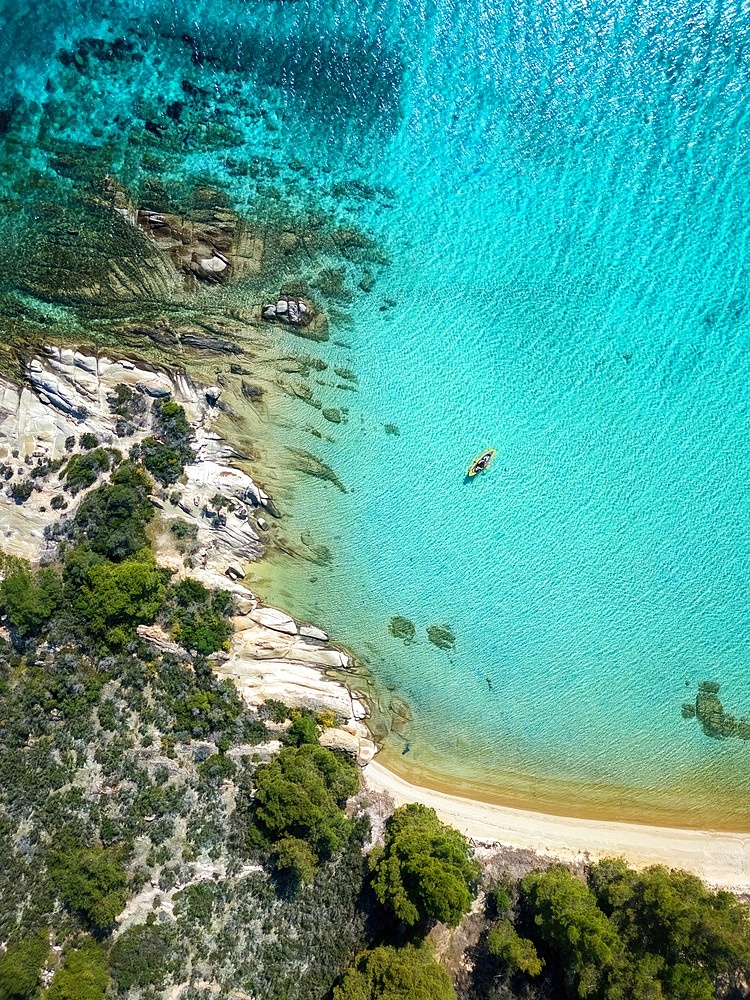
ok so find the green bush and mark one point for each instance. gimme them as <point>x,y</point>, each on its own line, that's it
<point>30,599</point>
<point>424,871</point>
<point>408,973</point>
<point>140,957</point>
<point>114,598</point>
<point>571,924</point>
<point>91,882</point>
<point>83,975</point>
<point>21,491</point>
<point>296,857</point>
<point>304,729</point>
<point>113,518</point>
<point>168,450</point>
<point>217,768</point>
<point>88,441</point>
<point>516,953</point>
<point>300,794</point>
<point>83,471</point>
<point>21,965</point>
<point>198,617</point>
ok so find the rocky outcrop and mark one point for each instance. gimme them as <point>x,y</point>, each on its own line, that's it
<point>295,312</point>
<point>272,656</point>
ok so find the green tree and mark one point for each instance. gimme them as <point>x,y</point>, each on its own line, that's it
<point>571,924</point>
<point>696,934</point>
<point>91,882</point>
<point>408,973</point>
<point>304,729</point>
<point>83,975</point>
<point>113,517</point>
<point>20,966</point>
<point>120,595</point>
<point>425,870</point>
<point>295,856</point>
<point>516,953</point>
<point>30,599</point>
<point>300,794</point>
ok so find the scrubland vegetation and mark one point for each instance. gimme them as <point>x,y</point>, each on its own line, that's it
<point>152,842</point>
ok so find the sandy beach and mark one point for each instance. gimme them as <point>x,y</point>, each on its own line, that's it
<point>721,859</point>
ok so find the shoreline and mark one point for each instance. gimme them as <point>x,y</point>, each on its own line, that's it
<point>273,655</point>
<point>721,859</point>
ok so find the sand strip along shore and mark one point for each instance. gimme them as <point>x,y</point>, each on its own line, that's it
<point>721,859</point>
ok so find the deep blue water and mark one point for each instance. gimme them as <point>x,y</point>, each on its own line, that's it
<point>564,191</point>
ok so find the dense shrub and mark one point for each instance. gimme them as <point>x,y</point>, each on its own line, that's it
<point>113,518</point>
<point>83,471</point>
<point>408,973</point>
<point>199,617</point>
<point>30,599</point>
<point>83,975</point>
<point>91,882</point>
<point>168,450</point>
<point>140,957</point>
<point>300,794</point>
<point>424,871</point>
<point>20,966</point>
<point>517,954</point>
<point>113,598</point>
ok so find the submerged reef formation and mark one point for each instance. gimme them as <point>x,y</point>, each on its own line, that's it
<point>714,720</point>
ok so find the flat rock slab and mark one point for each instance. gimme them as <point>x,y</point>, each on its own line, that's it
<point>274,619</point>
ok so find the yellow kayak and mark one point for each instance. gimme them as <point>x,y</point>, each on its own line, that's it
<point>482,462</point>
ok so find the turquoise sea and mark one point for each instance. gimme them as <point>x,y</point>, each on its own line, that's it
<point>563,193</point>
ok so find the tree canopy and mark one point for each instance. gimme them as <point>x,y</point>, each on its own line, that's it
<point>20,966</point>
<point>83,975</point>
<point>408,973</point>
<point>91,882</point>
<point>300,793</point>
<point>425,870</point>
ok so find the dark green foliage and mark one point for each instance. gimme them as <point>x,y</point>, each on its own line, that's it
<point>217,768</point>
<point>517,954</point>
<point>571,924</point>
<point>58,502</point>
<point>301,792</point>
<point>166,453</point>
<point>199,617</point>
<point>182,529</point>
<point>274,710</point>
<point>408,973</point>
<point>30,599</point>
<point>163,462</point>
<point>296,857</point>
<point>141,956</point>
<point>425,871</point>
<point>696,934</point>
<point>304,729</point>
<point>91,882</point>
<point>88,441</point>
<point>113,518</point>
<point>21,490</point>
<point>21,965</point>
<point>83,471</point>
<point>83,975</point>
<point>114,598</point>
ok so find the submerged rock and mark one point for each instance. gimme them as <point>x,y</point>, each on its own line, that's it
<point>402,628</point>
<point>441,636</point>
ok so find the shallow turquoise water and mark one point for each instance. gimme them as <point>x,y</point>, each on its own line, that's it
<point>564,190</point>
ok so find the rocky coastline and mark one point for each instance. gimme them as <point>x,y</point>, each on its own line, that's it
<point>271,656</point>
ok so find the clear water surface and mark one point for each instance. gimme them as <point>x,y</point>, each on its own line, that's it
<point>564,192</point>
